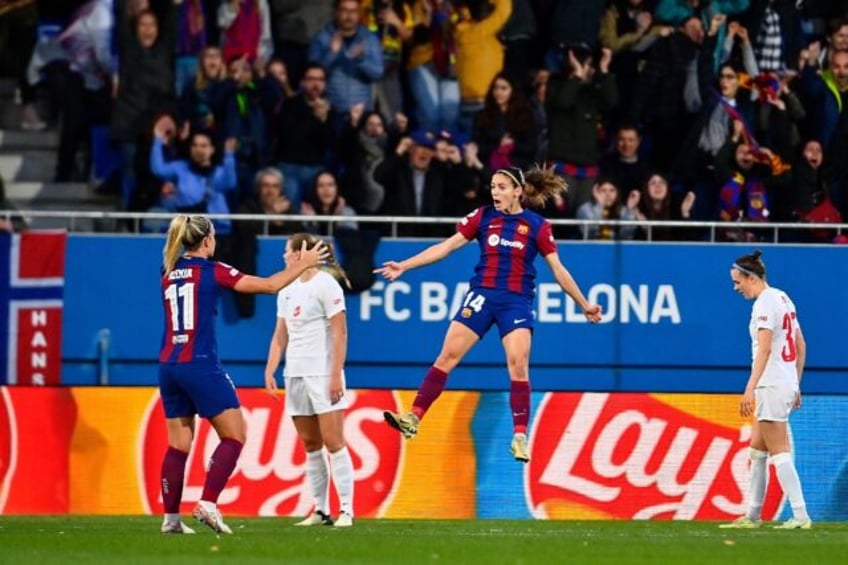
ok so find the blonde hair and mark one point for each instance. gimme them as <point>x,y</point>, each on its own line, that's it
<point>331,265</point>
<point>540,184</point>
<point>185,232</point>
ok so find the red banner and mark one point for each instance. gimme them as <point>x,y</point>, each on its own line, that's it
<point>36,427</point>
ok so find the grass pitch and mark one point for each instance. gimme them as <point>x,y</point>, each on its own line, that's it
<point>33,540</point>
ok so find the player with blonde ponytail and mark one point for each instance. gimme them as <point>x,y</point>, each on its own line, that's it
<point>191,378</point>
<point>311,331</point>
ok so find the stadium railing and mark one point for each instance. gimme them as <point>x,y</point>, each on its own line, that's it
<point>156,222</point>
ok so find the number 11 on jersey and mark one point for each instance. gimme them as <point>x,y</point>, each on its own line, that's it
<point>175,294</point>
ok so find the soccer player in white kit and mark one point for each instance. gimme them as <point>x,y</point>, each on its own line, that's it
<point>773,391</point>
<point>312,332</point>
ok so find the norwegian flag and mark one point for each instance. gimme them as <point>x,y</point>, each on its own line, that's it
<point>32,279</point>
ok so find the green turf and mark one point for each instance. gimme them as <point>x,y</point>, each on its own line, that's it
<point>31,540</point>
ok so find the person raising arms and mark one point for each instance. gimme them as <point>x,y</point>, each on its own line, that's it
<point>191,378</point>
<point>501,291</point>
<point>779,352</point>
<point>312,332</point>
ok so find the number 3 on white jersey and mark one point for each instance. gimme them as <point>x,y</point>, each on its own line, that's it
<point>185,293</point>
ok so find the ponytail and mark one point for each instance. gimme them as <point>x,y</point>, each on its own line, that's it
<point>331,265</point>
<point>542,184</point>
<point>184,232</point>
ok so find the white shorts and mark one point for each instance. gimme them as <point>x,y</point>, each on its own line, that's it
<point>774,403</point>
<point>308,396</point>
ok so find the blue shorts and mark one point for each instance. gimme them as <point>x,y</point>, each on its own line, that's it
<point>190,388</point>
<point>483,307</point>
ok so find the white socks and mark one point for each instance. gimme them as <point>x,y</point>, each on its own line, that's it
<point>759,479</point>
<point>319,479</point>
<point>342,466</point>
<point>787,476</point>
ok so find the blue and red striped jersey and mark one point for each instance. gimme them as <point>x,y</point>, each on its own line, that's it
<point>509,243</point>
<point>190,298</point>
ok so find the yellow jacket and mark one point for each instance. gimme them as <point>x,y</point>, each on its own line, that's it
<point>479,52</point>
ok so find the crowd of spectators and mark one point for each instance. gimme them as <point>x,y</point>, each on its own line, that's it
<point>729,110</point>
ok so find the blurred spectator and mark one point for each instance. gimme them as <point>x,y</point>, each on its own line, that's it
<point>391,21</point>
<point>606,205</point>
<point>746,189</point>
<point>811,201</point>
<point>274,89</point>
<point>627,30</point>
<point>775,28</point>
<point>466,180</point>
<point>199,185</point>
<point>825,93</point>
<point>145,84</point>
<point>518,36</point>
<point>574,105</point>
<point>84,84</point>
<point>149,187</point>
<point>721,107</point>
<point>537,103</point>
<point>269,198</point>
<point>193,39</point>
<point>353,59</point>
<point>712,13</point>
<point>364,143</point>
<point>479,55</point>
<point>572,23</point>
<point>808,182</point>
<point>659,203</point>
<point>302,149</point>
<point>505,129</point>
<point>658,101</point>
<point>18,34</point>
<point>293,24</point>
<point>416,184</point>
<point>837,40</point>
<point>431,65</point>
<point>324,199</point>
<point>780,114</point>
<point>475,191</point>
<point>201,99</point>
<point>246,30</point>
<point>244,121</point>
<point>626,165</point>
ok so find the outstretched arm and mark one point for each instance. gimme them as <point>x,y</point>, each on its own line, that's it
<point>569,286</point>
<point>250,284</point>
<point>394,269</point>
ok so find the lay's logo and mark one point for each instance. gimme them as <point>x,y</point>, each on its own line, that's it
<point>641,456</point>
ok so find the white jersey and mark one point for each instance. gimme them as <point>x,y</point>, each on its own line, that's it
<point>307,308</point>
<point>774,310</point>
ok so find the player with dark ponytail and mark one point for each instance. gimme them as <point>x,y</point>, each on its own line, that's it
<point>501,292</point>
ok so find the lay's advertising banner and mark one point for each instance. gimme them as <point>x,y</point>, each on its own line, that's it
<point>593,456</point>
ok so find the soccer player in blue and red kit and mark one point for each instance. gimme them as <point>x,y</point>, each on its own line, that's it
<point>191,377</point>
<point>501,291</point>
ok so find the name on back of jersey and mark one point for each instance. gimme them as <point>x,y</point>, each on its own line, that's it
<point>179,274</point>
